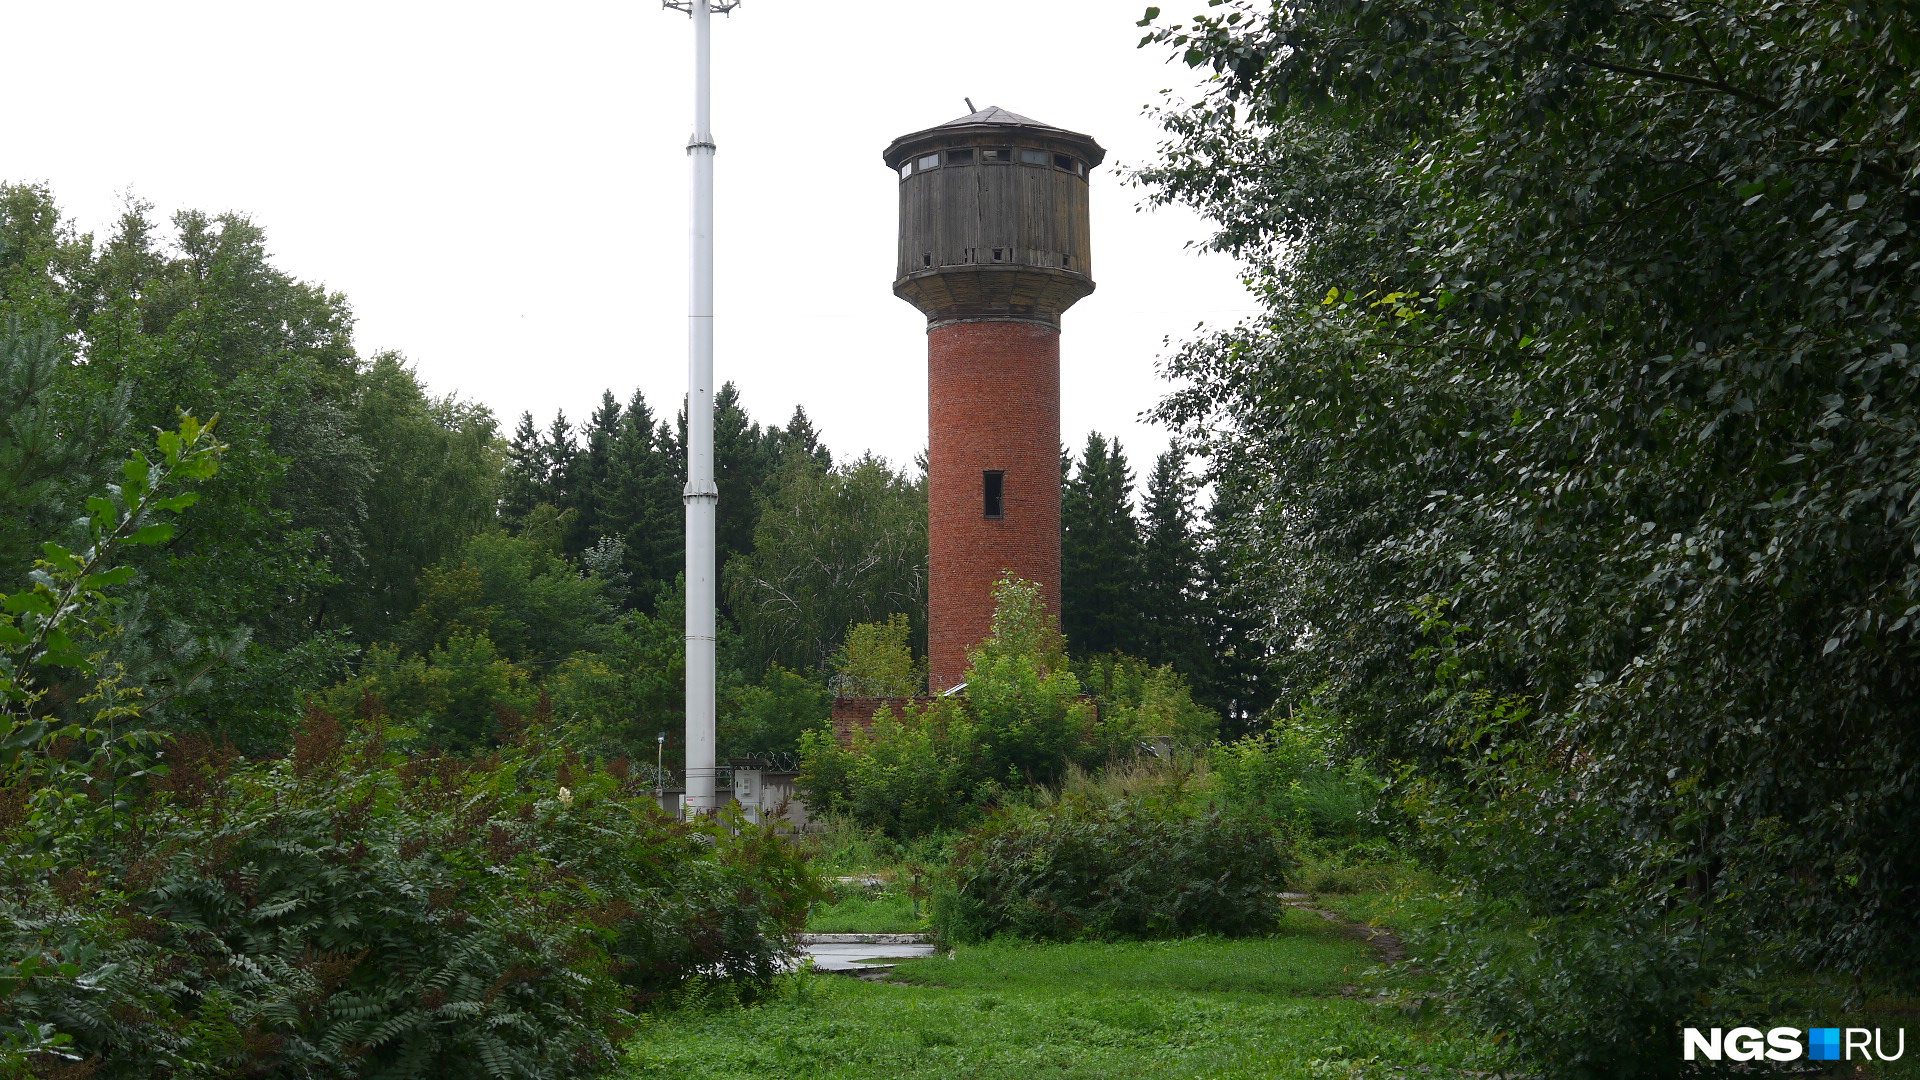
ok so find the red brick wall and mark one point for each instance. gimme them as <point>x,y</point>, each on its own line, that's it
<point>993,403</point>
<point>852,714</point>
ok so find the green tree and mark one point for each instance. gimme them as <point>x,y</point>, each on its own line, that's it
<point>832,548</point>
<point>1595,322</point>
<point>642,501</point>
<point>1170,570</point>
<point>745,456</point>
<point>437,472</point>
<point>618,699</point>
<point>591,478</point>
<point>52,447</point>
<point>202,318</point>
<point>767,718</point>
<point>800,438</point>
<point>877,660</point>
<point>523,487</point>
<point>557,453</point>
<point>1100,603</point>
<point>535,605</point>
<point>1238,675</point>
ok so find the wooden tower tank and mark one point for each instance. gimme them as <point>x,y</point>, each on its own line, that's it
<point>993,248</point>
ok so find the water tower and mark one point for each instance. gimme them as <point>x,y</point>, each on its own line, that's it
<point>993,248</point>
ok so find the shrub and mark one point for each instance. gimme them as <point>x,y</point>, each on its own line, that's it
<point>451,695</point>
<point>346,910</point>
<point>1132,868</point>
<point>768,717</point>
<point>905,777</point>
<point>1024,720</point>
<point>351,911</point>
<point>1293,776</point>
<point>1594,999</point>
<point>877,661</point>
<point>1143,701</point>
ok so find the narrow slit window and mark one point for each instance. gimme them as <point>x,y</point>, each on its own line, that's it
<point>1066,261</point>
<point>969,256</point>
<point>999,154</point>
<point>1062,161</point>
<point>931,161</point>
<point>926,259</point>
<point>993,484</point>
<point>960,157</point>
<point>1033,157</point>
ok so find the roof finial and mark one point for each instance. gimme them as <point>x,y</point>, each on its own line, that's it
<point>969,102</point>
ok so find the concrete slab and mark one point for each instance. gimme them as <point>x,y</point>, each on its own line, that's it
<point>860,952</point>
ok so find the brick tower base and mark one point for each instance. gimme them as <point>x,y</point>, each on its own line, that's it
<point>993,405</point>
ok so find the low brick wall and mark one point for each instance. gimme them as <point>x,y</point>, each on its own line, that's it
<point>851,714</point>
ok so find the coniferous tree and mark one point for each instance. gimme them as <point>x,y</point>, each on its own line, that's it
<point>526,474</point>
<point>592,477</point>
<point>641,501</point>
<point>743,458</point>
<point>1100,554</point>
<point>557,452</point>
<point>1235,676</point>
<point>1170,570</point>
<point>799,439</point>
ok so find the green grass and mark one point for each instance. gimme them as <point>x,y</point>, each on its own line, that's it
<point>840,850</point>
<point>890,912</point>
<point>1203,1007</point>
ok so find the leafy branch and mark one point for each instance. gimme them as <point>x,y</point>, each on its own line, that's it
<point>64,606</point>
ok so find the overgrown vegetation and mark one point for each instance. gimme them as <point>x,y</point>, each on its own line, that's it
<point>351,908</point>
<point>1024,720</point>
<point>1561,534</point>
<point>1131,868</point>
<point>1574,459</point>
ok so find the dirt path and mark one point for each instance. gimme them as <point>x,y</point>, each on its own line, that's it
<point>1386,944</point>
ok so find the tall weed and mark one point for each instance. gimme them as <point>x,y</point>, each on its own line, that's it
<point>1137,867</point>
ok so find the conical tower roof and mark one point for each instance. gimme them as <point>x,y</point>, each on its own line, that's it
<point>987,122</point>
<point>994,114</point>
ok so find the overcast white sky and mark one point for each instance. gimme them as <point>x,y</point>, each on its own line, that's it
<point>501,189</point>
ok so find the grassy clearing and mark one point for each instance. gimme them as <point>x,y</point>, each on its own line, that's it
<point>869,878</point>
<point>884,912</point>
<point>1203,1007</point>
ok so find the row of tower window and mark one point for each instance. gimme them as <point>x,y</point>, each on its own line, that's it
<point>972,255</point>
<point>997,155</point>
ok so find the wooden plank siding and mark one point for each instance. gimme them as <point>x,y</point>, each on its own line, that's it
<point>955,215</point>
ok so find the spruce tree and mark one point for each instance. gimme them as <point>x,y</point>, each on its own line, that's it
<point>591,477</point>
<point>800,439</point>
<point>526,477</point>
<point>1100,605</point>
<point>743,457</point>
<point>1235,677</point>
<point>641,501</point>
<point>557,453</point>
<point>1170,570</point>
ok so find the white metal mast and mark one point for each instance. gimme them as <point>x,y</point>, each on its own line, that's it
<point>702,495</point>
